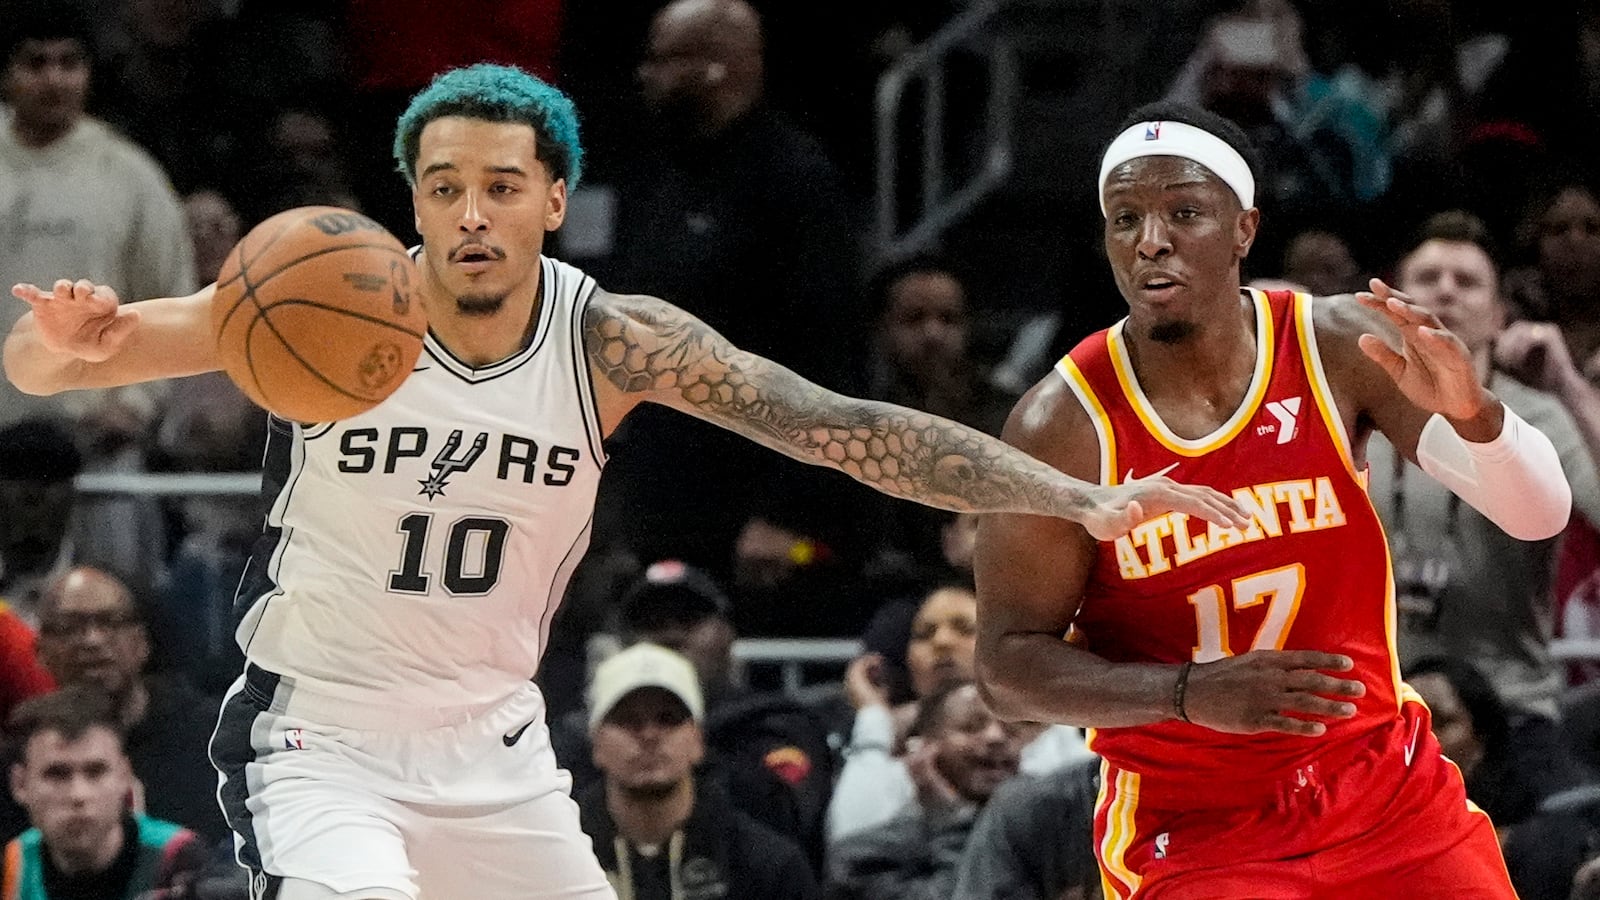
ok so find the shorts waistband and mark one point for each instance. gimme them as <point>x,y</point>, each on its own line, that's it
<point>1186,793</point>
<point>281,695</point>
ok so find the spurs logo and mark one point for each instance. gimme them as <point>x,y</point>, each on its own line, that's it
<point>447,463</point>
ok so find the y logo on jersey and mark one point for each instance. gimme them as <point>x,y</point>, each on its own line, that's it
<point>447,463</point>
<point>1285,412</point>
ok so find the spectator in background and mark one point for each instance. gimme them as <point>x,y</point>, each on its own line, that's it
<point>1558,283</point>
<point>114,431</point>
<point>79,200</point>
<point>769,753</point>
<point>1464,588</point>
<point>965,753</point>
<point>1035,839</point>
<point>660,832</point>
<point>878,780</point>
<point>75,781</point>
<point>1321,261</point>
<point>1511,759</point>
<point>159,87</point>
<point>710,214</point>
<point>38,462</point>
<point>92,632</point>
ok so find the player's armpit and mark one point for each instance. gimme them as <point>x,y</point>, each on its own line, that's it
<point>642,348</point>
<point>69,342</point>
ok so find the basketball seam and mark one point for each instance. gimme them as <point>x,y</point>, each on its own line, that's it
<point>365,317</point>
<point>250,287</point>
<point>263,320</point>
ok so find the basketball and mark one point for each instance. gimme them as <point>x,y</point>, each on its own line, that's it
<point>316,315</point>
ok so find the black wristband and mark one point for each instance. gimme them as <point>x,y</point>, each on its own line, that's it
<point>1179,688</point>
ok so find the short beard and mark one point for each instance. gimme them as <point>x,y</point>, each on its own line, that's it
<point>1171,332</point>
<point>480,305</point>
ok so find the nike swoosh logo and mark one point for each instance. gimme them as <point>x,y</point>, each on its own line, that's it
<point>1411,748</point>
<point>512,738</point>
<point>1129,477</point>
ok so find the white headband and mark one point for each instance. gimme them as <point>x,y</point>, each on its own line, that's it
<point>1186,141</point>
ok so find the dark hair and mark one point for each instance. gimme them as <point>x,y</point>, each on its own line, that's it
<point>70,712</point>
<point>1203,119</point>
<point>1459,227</point>
<point>886,276</point>
<point>1491,720</point>
<point>1543,195</point>
<point>43,20</point>
<point>931,709</point>
<point>38,450</point>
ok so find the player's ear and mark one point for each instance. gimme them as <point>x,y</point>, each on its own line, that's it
<point>555,206</point>
<point>1245,231</point>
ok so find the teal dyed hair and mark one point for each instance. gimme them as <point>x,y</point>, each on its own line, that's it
<point>495,94</point>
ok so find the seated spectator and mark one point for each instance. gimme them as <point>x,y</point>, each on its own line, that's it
<point>1510,759</point>
<point>876,783</point>
<point>964,754</point>
<point>92,632</point>
<point>38,462</point>
<point>1322,262</point>
<point>766,750</point>
<point>660,832</point>
<point>1464,588</point>
<point>1035,839</point>
<point>75,781</point>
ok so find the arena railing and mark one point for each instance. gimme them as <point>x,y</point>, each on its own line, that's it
<point>792,656</point>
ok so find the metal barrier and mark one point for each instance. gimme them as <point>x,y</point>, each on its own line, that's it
<point>792,655</point>
<point>941,206</point>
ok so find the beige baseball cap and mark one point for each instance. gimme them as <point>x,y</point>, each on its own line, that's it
<point>640,666</point>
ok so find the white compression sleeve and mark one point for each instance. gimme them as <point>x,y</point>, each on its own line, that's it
<point>1515,480</point>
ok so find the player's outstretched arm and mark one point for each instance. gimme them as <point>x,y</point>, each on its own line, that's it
<point>77,335</point>
<point>645,349</point>
<point>1403,372</point>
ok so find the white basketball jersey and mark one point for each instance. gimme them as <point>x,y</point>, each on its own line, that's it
<point>414,555</point>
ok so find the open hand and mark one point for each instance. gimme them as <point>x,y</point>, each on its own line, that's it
<point>1117,509</point>
<point>1432,367</point>
<point>79,318</point>
<point>1271,690</point>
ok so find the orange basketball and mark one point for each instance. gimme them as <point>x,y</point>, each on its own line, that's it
<point>316,314</point>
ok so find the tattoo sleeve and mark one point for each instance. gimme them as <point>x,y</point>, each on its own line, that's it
<point>644,345</point>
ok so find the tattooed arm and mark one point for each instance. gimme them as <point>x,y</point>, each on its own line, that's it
<point>642,348</point>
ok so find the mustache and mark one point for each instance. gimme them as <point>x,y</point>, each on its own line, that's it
<point>470,246</point>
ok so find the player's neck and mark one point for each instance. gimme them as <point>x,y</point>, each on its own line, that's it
<point>38,135</point>
<point>482,340</point>
<point>1213,360</point>
<point>650,820</point>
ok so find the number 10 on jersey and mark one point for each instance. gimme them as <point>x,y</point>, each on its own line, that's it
<point>473,551</point>
<point>1280,589</point>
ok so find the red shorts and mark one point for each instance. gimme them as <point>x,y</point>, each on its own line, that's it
<point>1382,819</point>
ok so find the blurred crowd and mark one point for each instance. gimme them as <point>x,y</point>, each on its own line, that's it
<point>1447,147</point>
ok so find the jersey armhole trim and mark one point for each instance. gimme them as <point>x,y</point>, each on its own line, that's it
<point>1105,436</point>
<point>1321,389</point>
<point>588,401</point>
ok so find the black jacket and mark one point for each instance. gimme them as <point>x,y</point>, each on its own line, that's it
<point>725,854</point>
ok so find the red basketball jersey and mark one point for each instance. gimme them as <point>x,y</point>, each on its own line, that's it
<point>1311,572</point>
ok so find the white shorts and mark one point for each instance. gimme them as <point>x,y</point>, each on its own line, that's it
<point>474,807</point>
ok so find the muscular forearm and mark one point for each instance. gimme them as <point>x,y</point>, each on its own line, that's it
<point>171,338</point>
<point>1041,678</point>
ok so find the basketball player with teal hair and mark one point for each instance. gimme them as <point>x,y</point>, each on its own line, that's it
<point>385,741</point>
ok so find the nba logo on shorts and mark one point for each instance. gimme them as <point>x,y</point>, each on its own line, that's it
<point>294,739</point>
<point>1152,131</point>
<point>1161,845</point>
